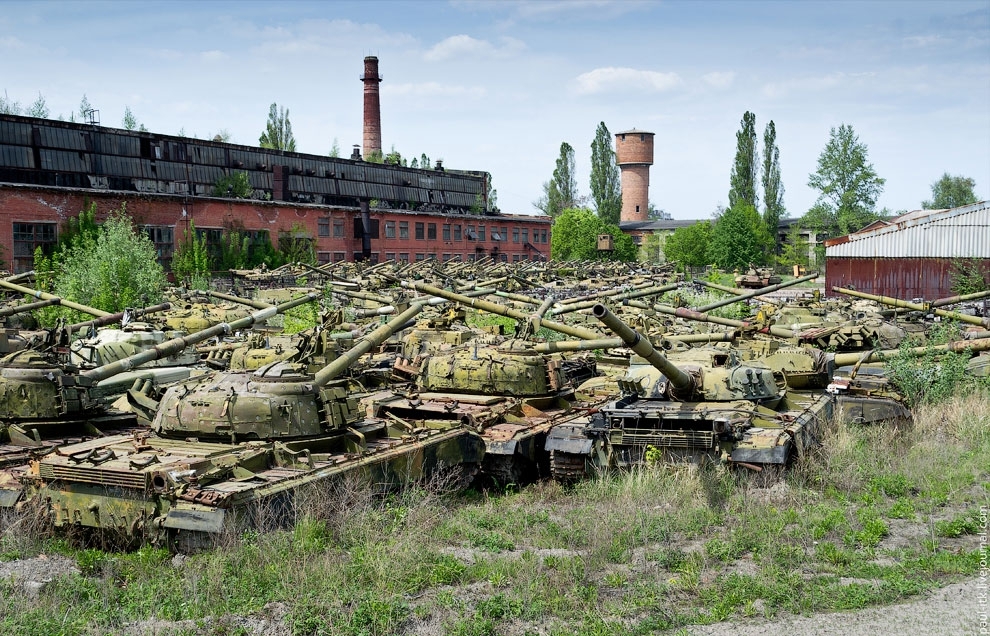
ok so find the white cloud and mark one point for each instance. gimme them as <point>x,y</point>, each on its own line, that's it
<point>10,42</point>
<point>213,56</point>
<point>814,84</point>
<point>719,79</point>
<point>629,79</point>
<point>461,45</point>
<point>433,89</point>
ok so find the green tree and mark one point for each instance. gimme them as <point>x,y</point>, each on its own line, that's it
<point>560,192</point>
<point>651,248</point>
<point>742,182</point>
<point>9,106</point>
<point>795,249</point>
<point>223,135</point>
<point>848,185</point>
<point>606,188</point>
<point>951,192</point>
<point>296,246</point>
<point>773,187</point>
<point>114,269</point>
<point>236,185</point>
<point>39,108</point>
<point>575,237</point>
<point>129,122</point>
<point>739,238</point>
<point>335,149</point>
<point>191,260</point>
<point>84,109</point>
<point>688,246</point>
<point>278,131</point>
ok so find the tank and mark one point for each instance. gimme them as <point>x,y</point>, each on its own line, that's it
<point>46,404</point>
<point>700,402</point>
<point>757,278</point>
<point>233,450</point>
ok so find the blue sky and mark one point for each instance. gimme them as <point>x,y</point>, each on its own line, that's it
<point>498,86</point>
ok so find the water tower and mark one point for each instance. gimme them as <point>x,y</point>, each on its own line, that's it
<point>634,156</point>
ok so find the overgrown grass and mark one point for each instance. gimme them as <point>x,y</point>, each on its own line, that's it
<point>876,515</point>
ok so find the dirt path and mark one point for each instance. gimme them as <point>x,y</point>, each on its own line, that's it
<point>949,610</point>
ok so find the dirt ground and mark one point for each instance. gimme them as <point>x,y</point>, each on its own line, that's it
<point>949,610</point>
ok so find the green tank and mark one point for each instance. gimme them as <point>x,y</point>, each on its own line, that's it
<point>700,401</point>
<point>757,278</point>
<point>230,450</point>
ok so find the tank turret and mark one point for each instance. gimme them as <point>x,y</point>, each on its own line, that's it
<point>703,400</point>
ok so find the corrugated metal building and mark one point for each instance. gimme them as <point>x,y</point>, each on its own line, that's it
<point>914,255</point>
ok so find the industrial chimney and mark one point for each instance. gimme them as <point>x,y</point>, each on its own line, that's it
<point>372,107</point>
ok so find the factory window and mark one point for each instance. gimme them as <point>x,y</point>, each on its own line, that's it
<point>338,228</point>
<point>389,229</point>
<point>323,257</point>
<point>358,257</point>
<point>504,258</point>
<point>420,257</point>
<point>515,235</point>
<point>446,257</point>
<point>213,237</point>
<point>374,257</point>
<point>338,257</point>
<point>259,244</point>
<point>505,234</point>
<point>543,236</point>
<point>432,256</point>
<point>525,235</point>
<point>431,231</point>
<point>471,258</point>
<point>323,226</point>
<point>470,234</point>
<point>404,257</point>
<point>389,256</point>
<point>359,228</point>
<point>481,233</point>
<point>446,232</point>
<point>403,229</point>
<point>420,231</point>
<point>163,236</point>
<point>457,231</point>
<point>515,258</point>
<point>642,137</point>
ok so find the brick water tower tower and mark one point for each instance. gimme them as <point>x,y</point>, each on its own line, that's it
<point>634,156</point>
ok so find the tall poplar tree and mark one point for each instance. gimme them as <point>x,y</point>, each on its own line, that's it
<point>742,183</point>
<point>606,188</point>
<point>773,188</point>
<point>278,131</point>
<point>560,192</point>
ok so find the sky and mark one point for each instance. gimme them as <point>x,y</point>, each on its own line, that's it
<point>498,86</point>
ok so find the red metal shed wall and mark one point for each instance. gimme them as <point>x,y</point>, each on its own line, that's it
<point>905,278</point>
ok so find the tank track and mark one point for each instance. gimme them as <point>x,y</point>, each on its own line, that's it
<point>567,467</point>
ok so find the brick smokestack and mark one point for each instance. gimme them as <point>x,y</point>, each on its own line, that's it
<point>634,155</point>
<point>372,107</point>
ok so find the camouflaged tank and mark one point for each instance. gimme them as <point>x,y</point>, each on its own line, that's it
<point>44,404</point>
<point>232,450</point>
<point>756,278</point>
<point>509,392</point>
<point>701,401</point>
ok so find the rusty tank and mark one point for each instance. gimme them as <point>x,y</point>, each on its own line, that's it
<point>227,451</point>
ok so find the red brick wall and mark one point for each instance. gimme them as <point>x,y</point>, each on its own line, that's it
<point>635,192</point>
<point>33,204</point>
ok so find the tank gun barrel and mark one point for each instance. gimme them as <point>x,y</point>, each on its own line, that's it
<point>365,344</point>
<point>257,304</point>
<point>611,292</point>
<point>19,309</point>
<point>92,311</point>
<point>364,296</point>
<point>495,308</point>
<point>700,316</point>
<point>680,381</point>
<point>757,292</point>
<point>896,302</point>
<point>629,295</point>
<point>175,345</point>
<point>117,317</point>
<point>952,300</point>
<point>958,346</point>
